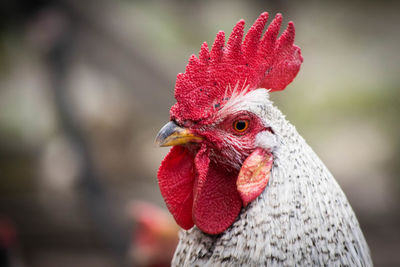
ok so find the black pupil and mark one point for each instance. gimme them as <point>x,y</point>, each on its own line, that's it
<point>240,125</point>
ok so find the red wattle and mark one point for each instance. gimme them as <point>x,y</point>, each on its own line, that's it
<point>208,198</point>
<point>176,178</point>
<point>217,202</point>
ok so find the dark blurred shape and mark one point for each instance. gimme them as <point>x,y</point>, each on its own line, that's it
<point>9,255</point>
<point>7,241</point>
<point>13,13</point>
<point>93,195</point>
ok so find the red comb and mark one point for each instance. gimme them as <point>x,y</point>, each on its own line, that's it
<point>256,62</point>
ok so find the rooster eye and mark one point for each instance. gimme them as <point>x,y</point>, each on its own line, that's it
<point>240,126</point>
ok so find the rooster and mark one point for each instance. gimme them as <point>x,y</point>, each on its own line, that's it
<point>239,179</point>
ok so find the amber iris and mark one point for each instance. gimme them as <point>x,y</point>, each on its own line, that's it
<point>240,126</point>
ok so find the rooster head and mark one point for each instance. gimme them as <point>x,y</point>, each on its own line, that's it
<point>221,157</point>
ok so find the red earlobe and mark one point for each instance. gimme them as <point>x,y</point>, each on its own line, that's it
<point>254,175</point>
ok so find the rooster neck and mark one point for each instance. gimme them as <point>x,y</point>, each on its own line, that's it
<point>302,218</point>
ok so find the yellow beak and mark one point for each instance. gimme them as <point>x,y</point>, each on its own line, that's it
<point>172,135</point>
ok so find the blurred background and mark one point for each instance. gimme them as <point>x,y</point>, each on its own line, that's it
<point>86,85</point>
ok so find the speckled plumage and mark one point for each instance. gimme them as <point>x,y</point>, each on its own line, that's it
<point>301,219</point>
